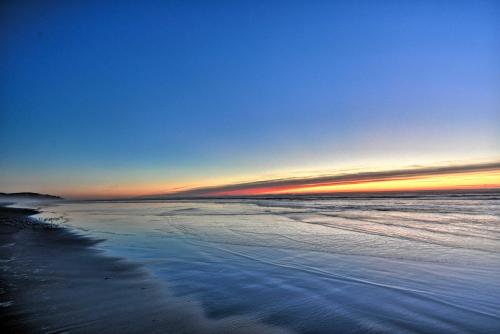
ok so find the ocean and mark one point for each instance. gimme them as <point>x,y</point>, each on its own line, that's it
<point>420,263</point>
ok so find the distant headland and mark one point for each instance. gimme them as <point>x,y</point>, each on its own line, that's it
<point>29,195</point>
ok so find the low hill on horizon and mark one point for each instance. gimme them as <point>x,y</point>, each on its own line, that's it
<point>29,195</point>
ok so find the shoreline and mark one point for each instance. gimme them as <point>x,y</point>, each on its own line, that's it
<point>53,280</point>
<point>12,220</point>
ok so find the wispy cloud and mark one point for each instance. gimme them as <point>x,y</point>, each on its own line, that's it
<point>284,184</point>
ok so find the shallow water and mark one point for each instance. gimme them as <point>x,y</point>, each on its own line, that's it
<point>426,264</point>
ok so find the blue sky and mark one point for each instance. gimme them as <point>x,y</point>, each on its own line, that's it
<point>111,93</point>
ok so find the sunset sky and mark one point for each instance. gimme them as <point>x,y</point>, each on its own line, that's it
<point>115,99</point>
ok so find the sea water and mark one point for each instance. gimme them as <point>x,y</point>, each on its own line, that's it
<point>404,264</point>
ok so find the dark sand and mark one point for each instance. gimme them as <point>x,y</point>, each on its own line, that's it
<point>54,281</point>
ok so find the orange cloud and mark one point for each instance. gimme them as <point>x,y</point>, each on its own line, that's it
<point>473,176</point>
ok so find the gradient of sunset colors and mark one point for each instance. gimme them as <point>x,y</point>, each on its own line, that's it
<point>200,98</point>
<point>465,177</point>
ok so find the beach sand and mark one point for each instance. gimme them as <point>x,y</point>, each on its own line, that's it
<point>55,281</point>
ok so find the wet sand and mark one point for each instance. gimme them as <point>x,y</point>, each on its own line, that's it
<point>55,281</point>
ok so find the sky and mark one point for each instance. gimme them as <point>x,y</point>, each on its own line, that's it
<point>128,98</point>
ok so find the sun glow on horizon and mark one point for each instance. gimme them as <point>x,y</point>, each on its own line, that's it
<point>451,181</point>
<point>433,177</point>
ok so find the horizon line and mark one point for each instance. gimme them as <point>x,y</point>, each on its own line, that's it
<point>306,185</point>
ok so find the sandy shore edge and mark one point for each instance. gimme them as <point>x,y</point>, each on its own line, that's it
<point>55,281</point>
